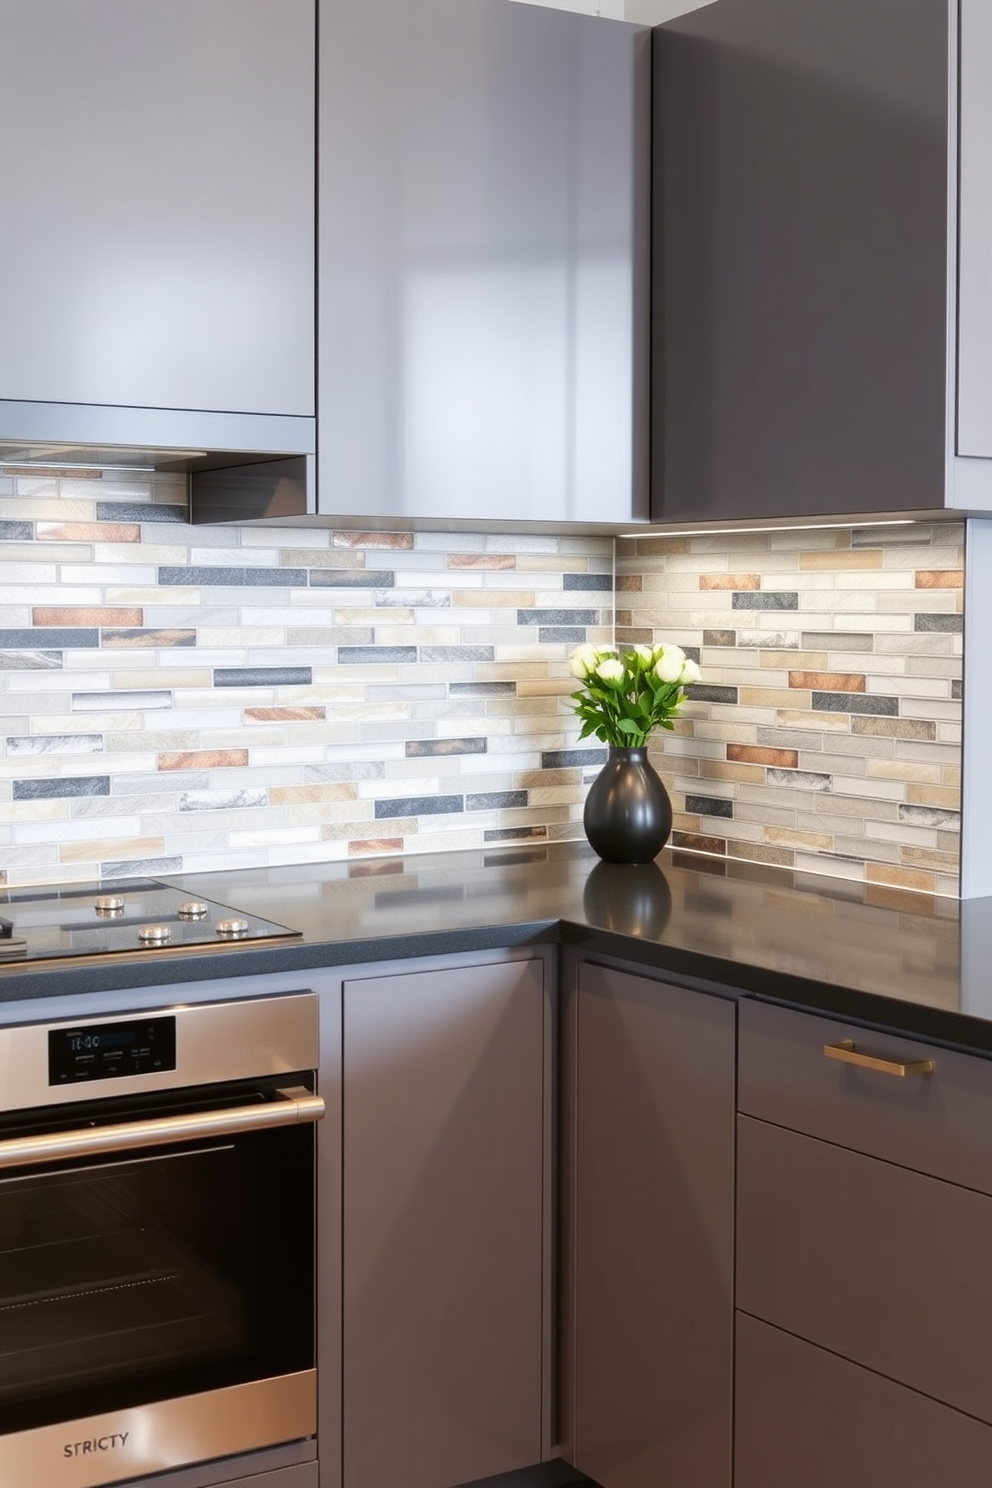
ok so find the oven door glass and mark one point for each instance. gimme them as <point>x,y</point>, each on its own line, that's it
<point>160,1273</point>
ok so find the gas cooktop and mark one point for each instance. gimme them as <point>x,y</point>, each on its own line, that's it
<point>37,924</point>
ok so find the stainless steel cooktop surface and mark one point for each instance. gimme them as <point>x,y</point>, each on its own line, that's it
<point>54,921</point>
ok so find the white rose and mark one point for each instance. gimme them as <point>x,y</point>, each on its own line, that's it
<point>690,672</point>
<point>644,654</point>
<point>669,668</point>
<point>582,661</point>
<point>610,670</point>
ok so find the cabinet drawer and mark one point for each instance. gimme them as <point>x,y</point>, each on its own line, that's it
<point>888,1267</point>
<point>939,1123</point>
<point>806,1417</point>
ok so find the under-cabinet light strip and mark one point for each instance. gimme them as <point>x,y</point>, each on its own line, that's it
<point>774,527</point>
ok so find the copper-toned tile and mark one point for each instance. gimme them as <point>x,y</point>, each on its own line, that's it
<point>285,715</point>
<point>204,759</point>
<point>695,842</point>
<point>754,754</point>
<point>500,561</point>
<point>719,638</point>
<point>940,578</point>
<point>85,615</point>
<point>829,681</point>
<point>384,869</point>
<point>632,636</point>
<point>711,769</point>
<point>396,540</point>
<point>90,532</point>
<point>629,583</point>
<point>730,581</point>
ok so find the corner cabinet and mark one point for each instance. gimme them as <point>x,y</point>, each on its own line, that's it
<point>817,348</point>
<point>483,263</point>
<point>446,1291</point>
<point>157,170</point>
<point>648,1159</point>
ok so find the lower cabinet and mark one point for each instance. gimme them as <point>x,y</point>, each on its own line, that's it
<point>446,1102</point>
<point>650,1207</point>
<point>808,1417</point>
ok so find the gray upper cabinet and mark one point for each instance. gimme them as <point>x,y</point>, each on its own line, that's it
<point>157,174</point>
<point>808,304</point>
<point>483,189</point>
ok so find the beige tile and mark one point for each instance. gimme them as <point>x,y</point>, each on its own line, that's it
<point>836,561</point>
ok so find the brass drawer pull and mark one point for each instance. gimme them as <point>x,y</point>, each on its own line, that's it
<point>848,1054</point>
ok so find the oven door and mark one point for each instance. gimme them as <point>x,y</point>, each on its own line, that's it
<point>156,1281</point>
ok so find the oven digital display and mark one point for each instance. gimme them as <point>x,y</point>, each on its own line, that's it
<point>109,1051</point>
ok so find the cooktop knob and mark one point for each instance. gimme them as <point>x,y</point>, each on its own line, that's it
<point>232,928</point>
<point>108,904</point>
<point>193,909</point>
<point>155,934</point>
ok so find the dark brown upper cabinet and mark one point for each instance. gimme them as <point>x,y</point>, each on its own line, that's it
<point>822,259</point>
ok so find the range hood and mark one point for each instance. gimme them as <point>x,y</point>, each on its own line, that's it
<point>238,464</point>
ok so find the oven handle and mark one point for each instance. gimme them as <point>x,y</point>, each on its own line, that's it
<point>296,1106</point>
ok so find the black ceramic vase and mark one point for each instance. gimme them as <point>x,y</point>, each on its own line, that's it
<point>628,816</point>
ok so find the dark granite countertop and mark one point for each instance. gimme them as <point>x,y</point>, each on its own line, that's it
<point>908,962</point>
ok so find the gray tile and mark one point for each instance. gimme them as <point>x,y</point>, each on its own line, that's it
<point>561,635</point>
<point>30,661</point>
<point>457,653</point>
<point>558,617</point>
<point>482,689</point>
<point>947,624</point>
<point>40,638</point>
<point>141,511</point>
<point>61,789</point>
<point>854,702</point>
<point>232,578</point>
<point>397,806</point>
<point>140,867</point>
<point>496,800</point>
<point>16,531</point>
<point>600,583</point>
<point>702,692</point>
<point>439,748</point>
<point>375,655</point>
<point>263,676</point>
<point>709,806</point>
<point>760,599</point>
<point>565,759</point>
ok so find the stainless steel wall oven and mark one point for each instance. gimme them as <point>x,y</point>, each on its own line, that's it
<point>156,1239</point>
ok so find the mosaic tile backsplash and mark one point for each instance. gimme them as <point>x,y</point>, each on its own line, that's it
<point>192,698</point>
<point>826,735</point>
<point>177,698</point>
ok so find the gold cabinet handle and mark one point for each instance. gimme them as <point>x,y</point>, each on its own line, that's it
<point>848,1054</point>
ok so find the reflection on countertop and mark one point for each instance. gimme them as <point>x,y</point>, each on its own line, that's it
<point>851,950</point>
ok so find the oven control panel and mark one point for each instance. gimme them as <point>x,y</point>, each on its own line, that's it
<point>109,1051</point>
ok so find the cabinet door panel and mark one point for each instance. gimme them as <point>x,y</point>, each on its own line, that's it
<point>483,262</point>
<point>807,1417</point>
<point>157,166</point>
<point>443,1225</point>
<point>654,1232</point>
<point>939,1123</point>
<point>875,1262</point>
